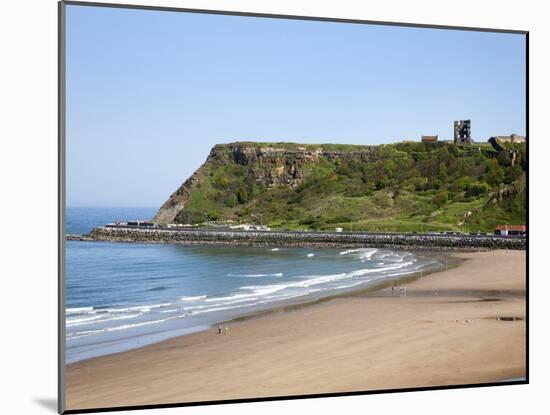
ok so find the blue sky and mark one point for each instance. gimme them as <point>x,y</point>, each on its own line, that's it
<point>149,92</point>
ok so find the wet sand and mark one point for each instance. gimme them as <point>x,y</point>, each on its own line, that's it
<point>451,328</point>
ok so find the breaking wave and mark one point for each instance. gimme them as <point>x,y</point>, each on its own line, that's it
<point>300,275</point>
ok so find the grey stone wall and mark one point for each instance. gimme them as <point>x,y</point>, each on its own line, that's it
<point>306,239</point>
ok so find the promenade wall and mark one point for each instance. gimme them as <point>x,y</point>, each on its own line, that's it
<point>306,239</point>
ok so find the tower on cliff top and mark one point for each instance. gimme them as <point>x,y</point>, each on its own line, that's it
<point>463,132</point>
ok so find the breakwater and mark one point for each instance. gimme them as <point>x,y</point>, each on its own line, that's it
<point>305,239</point>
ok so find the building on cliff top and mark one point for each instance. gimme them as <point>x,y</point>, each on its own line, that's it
<point>429,138</point>
<point>512,138</point>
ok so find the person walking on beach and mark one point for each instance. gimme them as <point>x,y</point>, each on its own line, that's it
<point>219,329</point>
<point>226,330</point>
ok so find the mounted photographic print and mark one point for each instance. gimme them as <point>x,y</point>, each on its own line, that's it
<point>256,207</point>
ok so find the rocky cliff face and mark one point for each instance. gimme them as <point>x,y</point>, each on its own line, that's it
<point>268,165</point>
<point>176,201</point>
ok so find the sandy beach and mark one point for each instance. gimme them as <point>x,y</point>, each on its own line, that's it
<point>460,326</point>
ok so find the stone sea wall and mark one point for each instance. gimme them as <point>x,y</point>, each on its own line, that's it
<point>305,239</point>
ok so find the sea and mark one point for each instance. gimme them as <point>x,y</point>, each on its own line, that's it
<point>121,296</point>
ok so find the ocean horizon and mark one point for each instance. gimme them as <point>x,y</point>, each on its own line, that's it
<point>121,296</point>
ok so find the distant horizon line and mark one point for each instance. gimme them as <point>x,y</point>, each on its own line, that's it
<point>109,206</point>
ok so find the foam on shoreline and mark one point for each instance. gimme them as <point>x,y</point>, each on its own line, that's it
<point>87,326</point>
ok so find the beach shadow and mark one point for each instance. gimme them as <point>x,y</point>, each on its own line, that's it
<point>48,403</point>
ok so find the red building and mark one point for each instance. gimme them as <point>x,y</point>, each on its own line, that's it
<point>429,138</point>
<point>506,230</point>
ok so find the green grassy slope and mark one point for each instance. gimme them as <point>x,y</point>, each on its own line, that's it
<point>402,187</point>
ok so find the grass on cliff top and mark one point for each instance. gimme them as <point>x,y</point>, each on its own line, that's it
<point>309,147</point>
<point>403,145</point>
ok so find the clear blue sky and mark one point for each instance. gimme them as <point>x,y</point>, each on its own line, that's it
<point>149,92</point>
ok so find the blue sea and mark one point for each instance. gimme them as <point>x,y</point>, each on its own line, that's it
<point>121,296</point>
